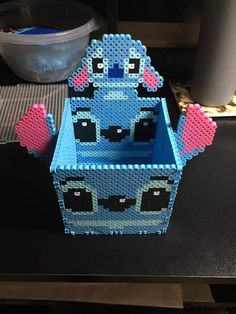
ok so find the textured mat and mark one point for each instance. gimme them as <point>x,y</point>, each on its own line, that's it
<point>15,100</point>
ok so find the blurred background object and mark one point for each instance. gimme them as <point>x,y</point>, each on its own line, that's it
<point>214,80</point>
<point>53,40</point>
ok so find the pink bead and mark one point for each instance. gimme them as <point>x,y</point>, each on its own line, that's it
<point>150,78</point>
<point>81,78</point>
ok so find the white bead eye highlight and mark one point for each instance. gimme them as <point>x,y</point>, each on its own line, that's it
<point>131,65</point>
<point>122,200</point>
<point>134,65</point>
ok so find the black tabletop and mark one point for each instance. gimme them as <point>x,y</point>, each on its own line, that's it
<point>200,245</point>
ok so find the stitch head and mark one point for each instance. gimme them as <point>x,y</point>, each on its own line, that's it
<point>116,61</point>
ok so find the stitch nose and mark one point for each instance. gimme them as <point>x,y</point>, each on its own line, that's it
<point>115,133</point>
<point>116,71</point>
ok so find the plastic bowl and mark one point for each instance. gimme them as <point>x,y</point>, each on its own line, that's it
<point>48,57</point>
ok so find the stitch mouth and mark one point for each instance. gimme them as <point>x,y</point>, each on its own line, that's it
<point>115,133</point>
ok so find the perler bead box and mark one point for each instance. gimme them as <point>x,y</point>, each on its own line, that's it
<point>117,163</point>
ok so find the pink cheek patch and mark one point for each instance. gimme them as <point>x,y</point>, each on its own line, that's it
<point>150,78</point>
<point>81,78</point>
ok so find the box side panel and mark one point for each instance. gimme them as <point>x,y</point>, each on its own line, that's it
<point>165,150</point>
<point>137,201</point>
<point>115,127</point>
<point>65,152</point>
<point>171,135</point>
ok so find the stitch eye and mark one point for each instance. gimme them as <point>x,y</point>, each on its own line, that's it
<point>134,65</point>
<point>98,65</point>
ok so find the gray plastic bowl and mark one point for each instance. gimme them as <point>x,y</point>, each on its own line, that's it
<point>50,57</point>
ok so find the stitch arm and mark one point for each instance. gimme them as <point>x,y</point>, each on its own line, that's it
<point>194,132</point>
<point>35,130</point>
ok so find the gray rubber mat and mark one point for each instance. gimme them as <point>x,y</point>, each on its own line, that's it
<point>15,101</point>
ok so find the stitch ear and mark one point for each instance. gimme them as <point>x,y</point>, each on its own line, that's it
<point>151,79</point>
<point>79,79</point>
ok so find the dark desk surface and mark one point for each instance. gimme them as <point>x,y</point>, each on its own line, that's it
<point>200,245</point>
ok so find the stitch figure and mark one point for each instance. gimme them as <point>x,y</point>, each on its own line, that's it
<point>117,162</point>
<point>115,118</point>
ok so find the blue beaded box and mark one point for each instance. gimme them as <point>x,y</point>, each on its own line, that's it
<point>120,187</point>
<point>117,163</point>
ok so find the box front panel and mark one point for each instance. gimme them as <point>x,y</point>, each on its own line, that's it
<point>116,201</point>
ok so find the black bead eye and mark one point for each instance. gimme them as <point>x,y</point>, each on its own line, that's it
<point>98,65</point>
<point>134,65</point>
